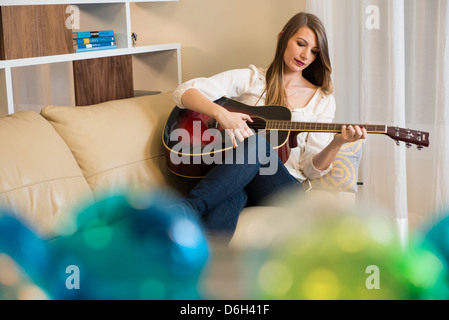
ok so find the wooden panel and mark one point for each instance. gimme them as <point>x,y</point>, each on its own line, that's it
<point>34,31</point>
<point>2,42</point>
<point>103,79</point>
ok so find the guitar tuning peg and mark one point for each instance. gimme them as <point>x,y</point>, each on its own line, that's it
<point>420,148</point>
<point>408,145</point>
<point>398,143</point>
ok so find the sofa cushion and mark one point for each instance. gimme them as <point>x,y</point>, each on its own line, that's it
<point>117,144</point>
<point>40,178</point>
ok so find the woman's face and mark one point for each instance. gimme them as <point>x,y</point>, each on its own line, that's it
<point>301,51</point>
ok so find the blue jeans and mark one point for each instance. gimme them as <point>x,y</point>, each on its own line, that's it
<point>249,174</point>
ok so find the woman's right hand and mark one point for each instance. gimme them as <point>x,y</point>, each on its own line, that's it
<point>235,125</point>
<point>233,122</point>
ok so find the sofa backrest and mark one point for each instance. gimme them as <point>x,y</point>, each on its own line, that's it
<point>40,179</point>
<point>117,144</point>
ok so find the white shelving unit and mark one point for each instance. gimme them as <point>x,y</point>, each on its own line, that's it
<point>155,67</point>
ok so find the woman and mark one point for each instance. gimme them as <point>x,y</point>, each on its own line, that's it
<point>300,79</point>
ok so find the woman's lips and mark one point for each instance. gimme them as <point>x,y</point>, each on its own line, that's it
<point>300,63</point>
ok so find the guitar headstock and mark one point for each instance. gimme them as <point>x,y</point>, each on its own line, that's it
<point>419,138</point>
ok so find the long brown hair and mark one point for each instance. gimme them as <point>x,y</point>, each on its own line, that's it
<point>318,73</point>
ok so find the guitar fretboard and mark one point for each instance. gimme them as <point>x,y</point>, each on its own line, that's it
<point>318,127</point>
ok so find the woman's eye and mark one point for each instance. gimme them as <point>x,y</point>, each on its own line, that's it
<point>315,52</point>
<point>301,44</point>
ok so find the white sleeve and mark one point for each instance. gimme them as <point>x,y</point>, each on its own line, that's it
<point>232,84</point>
<point>315,142</point>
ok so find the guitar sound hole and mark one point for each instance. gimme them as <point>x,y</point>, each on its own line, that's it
<point>212,124</point>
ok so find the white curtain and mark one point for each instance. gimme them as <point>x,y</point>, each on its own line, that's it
<point>391,66</point>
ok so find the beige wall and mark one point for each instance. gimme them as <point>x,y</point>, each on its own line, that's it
<point>215,35</point>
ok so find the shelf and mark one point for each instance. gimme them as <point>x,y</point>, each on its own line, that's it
<point>48,79</point>
<point>46,2</point>
<point>87,55</point>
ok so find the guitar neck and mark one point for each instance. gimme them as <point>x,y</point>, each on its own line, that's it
<point>419,138</point>
<point>283,125</point>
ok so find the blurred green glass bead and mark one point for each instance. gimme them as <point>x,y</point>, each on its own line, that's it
<point>347,256</point>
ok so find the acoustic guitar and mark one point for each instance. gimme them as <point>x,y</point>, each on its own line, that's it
<point>192,141</point>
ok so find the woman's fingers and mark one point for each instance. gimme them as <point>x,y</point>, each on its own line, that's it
<point>245,117</point>
<point>242,134</point>
<point>361,132</point>
<point>364,133</point>
<point>236,125</point>
<point>353,133</point>
<point>249,131</point>
<point>244,130</point>
<point>357,132</point>
<point>239,135</point>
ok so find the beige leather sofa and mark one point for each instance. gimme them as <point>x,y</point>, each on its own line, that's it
<point>54,162</point>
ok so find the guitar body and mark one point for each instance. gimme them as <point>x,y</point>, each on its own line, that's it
<point>189,137</point>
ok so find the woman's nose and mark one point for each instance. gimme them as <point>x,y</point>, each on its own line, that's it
<point>304,56</point>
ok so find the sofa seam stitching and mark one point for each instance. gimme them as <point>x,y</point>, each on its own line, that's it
<point>40,182</point>
<point>128,164</point>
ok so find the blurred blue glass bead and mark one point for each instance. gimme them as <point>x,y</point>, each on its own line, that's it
<point>125,244</point>
<point>21,243</point>
<point>124,247</point>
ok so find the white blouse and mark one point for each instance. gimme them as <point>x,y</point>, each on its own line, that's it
<point>247,86</point>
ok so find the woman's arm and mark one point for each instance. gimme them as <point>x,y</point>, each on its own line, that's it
<point>320,149</point>
<point>324,159</point>
<point>198,95</point>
